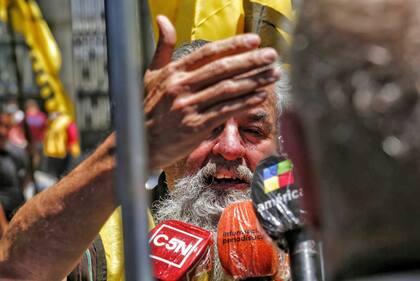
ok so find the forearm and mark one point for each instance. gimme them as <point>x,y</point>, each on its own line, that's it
<point>50,232</point>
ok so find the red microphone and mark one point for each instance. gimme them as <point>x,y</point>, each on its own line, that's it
<point>245,251</point>
<point>180,251</point>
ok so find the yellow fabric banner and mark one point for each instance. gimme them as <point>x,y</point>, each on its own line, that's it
<point>210,20</point>
<point>200,19</point>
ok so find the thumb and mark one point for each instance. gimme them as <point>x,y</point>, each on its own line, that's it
<point>166,43</point>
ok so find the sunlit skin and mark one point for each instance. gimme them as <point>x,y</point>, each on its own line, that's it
<point>247,138</point>
<point>6,123</point>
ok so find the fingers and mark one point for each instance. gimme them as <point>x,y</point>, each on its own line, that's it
<point>228,90</point>
<point>166,43</point>
<point>219,49</point>
<point>221,112</point>
<point>231,66</point>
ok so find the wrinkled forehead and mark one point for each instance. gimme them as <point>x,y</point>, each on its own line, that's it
<point>272,101</point>
<point>266,112</point>
<point>268,108</point>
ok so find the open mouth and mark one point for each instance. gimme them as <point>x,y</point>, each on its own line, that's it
<point>227,182</point>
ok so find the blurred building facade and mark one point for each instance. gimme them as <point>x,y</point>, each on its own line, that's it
<point>15,67</point>
<point>78,26</point>
<point>90,68</point>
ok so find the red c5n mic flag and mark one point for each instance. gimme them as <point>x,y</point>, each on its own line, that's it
<point>180,251</point>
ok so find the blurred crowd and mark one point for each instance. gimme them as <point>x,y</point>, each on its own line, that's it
<point>36,149</point>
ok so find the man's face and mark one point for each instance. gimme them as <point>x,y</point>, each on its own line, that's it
<point>218,172</point>
<point>6,123</point>
<point>242,140</point>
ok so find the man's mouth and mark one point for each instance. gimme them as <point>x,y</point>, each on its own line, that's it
<point>226,182</point>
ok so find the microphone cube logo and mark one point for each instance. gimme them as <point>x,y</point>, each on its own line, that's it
<point>175,246</point>
<point>278,176</point>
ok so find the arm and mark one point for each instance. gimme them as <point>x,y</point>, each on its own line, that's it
<point>3,222</point>
<point>48,235</point>
<point>185,100</point>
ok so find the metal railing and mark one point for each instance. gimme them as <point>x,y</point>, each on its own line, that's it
<point>128,58</point>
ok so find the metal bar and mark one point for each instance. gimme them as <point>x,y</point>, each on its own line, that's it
<point>125,73</point>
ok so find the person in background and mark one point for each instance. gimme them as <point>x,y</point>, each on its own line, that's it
<point>61,143</point>
<point>17,132</point>
<point>13,166</point>
<point>37,122</point>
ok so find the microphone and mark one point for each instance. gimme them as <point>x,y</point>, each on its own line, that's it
<point>245,251</point>
<point>180,251</point>
<point>276,199</point>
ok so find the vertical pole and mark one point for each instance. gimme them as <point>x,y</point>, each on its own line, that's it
<point>126,73</point>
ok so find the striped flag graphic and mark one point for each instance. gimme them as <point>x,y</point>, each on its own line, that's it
<point>278,176</point>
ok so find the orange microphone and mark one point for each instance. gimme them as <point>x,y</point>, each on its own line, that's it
<point>245,251</point>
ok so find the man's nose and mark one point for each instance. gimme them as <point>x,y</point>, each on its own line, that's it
<point>229,143</point>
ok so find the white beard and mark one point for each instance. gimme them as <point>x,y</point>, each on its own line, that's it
<point>193,201</point>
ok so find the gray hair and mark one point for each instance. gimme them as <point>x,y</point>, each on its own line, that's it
<point>282,86</point>
<point>283,89</point>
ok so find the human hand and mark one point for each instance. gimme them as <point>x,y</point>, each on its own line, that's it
<point>186,99</point>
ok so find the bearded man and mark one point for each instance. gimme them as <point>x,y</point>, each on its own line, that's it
<point>210,118</point>
<point>219,171</point>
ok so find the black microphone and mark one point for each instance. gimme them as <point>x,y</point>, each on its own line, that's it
<point>277,200</point>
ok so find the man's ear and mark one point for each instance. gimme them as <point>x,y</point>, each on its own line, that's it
<point>296,148</point>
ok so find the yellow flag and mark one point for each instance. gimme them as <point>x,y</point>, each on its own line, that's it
<point>113,242</point>
<point>273,21</point>
<point>216,19</point>
<point>200,19</point>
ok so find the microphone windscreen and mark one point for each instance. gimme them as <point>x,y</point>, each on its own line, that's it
<point>178,249</point>
<point>244,250</point>
<point>276,196</point>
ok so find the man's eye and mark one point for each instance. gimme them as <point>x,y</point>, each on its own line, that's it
<point>216,131</point>
<point>254,131</point>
